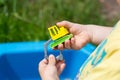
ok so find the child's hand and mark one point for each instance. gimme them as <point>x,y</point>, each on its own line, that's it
<point>50,69</point>
<point>82,34</point>
<point>80,38</point>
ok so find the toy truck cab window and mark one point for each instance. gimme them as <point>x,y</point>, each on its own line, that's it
<point>56,30</point>
<point>52,31</point>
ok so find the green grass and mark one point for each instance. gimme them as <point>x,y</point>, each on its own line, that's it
<point>27,20</point>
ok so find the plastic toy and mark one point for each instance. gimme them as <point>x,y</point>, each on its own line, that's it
<point>58,36</point>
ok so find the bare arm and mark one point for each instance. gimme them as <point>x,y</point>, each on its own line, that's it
<point>98,33</point>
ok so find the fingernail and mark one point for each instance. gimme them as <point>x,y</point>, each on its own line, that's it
<point>51,55</point>
<point>58,23</point>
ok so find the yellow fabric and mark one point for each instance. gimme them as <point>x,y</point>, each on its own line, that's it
<point>109,69</point>
<point>104,62</point>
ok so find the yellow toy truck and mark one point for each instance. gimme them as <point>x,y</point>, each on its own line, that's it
<point>58,36</point>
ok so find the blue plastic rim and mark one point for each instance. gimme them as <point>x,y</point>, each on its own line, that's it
<point>19,61</point>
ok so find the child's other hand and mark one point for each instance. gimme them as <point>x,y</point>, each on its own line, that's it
<point>80,36</point>
<point>50,69</point>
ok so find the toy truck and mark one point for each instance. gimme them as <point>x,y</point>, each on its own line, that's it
<point>58,36</point>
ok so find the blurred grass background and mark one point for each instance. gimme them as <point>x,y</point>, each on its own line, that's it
<point>27,20</point>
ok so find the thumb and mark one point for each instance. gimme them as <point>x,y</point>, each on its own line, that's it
<point>52,60</point>
<point>66,24</point>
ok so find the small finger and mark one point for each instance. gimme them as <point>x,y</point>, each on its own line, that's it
<point>61,47</point>
<point>42,63</point>
<point>55,48</point>
<point>67,44</point>
<point>72,42</point>
<point>61,68</point>
<point>45,61</point>
<point>59,63</point>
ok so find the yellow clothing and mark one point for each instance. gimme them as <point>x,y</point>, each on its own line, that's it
<point>104,62</point>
